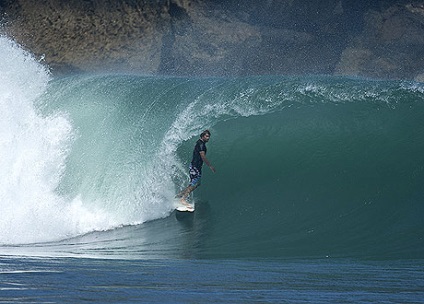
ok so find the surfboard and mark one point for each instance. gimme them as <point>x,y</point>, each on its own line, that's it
<point>184,208</point>
<point>184,212</point>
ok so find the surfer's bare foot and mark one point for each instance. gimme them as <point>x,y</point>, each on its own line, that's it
<point>185,203</point>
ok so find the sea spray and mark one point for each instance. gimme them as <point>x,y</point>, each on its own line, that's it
<point>33,151</point>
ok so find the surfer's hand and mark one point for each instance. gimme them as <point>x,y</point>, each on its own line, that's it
<point>213,169</point>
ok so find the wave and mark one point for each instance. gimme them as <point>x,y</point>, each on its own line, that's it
<point>306,165</point>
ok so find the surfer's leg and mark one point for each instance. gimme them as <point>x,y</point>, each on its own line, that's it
<point>179,195</point>
<point>195,181</point>
<point>187,192</point>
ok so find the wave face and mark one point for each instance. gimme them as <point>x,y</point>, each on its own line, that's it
<point>307,166</point>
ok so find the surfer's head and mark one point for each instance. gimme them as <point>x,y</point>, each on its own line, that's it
<point>205,135</point>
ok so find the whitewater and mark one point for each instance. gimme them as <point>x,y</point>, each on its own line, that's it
<point>34,149</point>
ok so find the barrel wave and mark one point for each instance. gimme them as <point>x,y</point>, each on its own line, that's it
<point>306,166</point>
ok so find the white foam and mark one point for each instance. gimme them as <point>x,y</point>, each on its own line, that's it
<point>33,151</point>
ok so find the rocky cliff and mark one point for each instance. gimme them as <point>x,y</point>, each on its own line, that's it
<point>381,39</point>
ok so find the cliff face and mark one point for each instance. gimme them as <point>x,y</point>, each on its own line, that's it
<point>382,39</point>
<point>391,44</point>
<point>90,35</point>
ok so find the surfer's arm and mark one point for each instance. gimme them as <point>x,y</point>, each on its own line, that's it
<point>206,161</point>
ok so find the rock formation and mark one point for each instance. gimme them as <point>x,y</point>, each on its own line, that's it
<point>380,39</point>
<point>391,44</point>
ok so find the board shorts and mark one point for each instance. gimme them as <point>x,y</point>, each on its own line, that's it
<point>195,176</point>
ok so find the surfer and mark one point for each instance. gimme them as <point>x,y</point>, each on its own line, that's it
<point>195,170</point>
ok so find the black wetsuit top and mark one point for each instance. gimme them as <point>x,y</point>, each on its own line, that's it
<point>197,160</point>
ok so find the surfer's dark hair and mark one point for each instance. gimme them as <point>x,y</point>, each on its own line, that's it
<point>204,133</point>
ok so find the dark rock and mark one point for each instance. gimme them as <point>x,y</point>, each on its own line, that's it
<point>390,46</point>
<point>382,39</point>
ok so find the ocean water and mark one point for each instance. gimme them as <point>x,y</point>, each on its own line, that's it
<point>318,194</point>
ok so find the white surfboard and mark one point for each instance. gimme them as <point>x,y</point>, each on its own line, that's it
<point>184,208</point>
